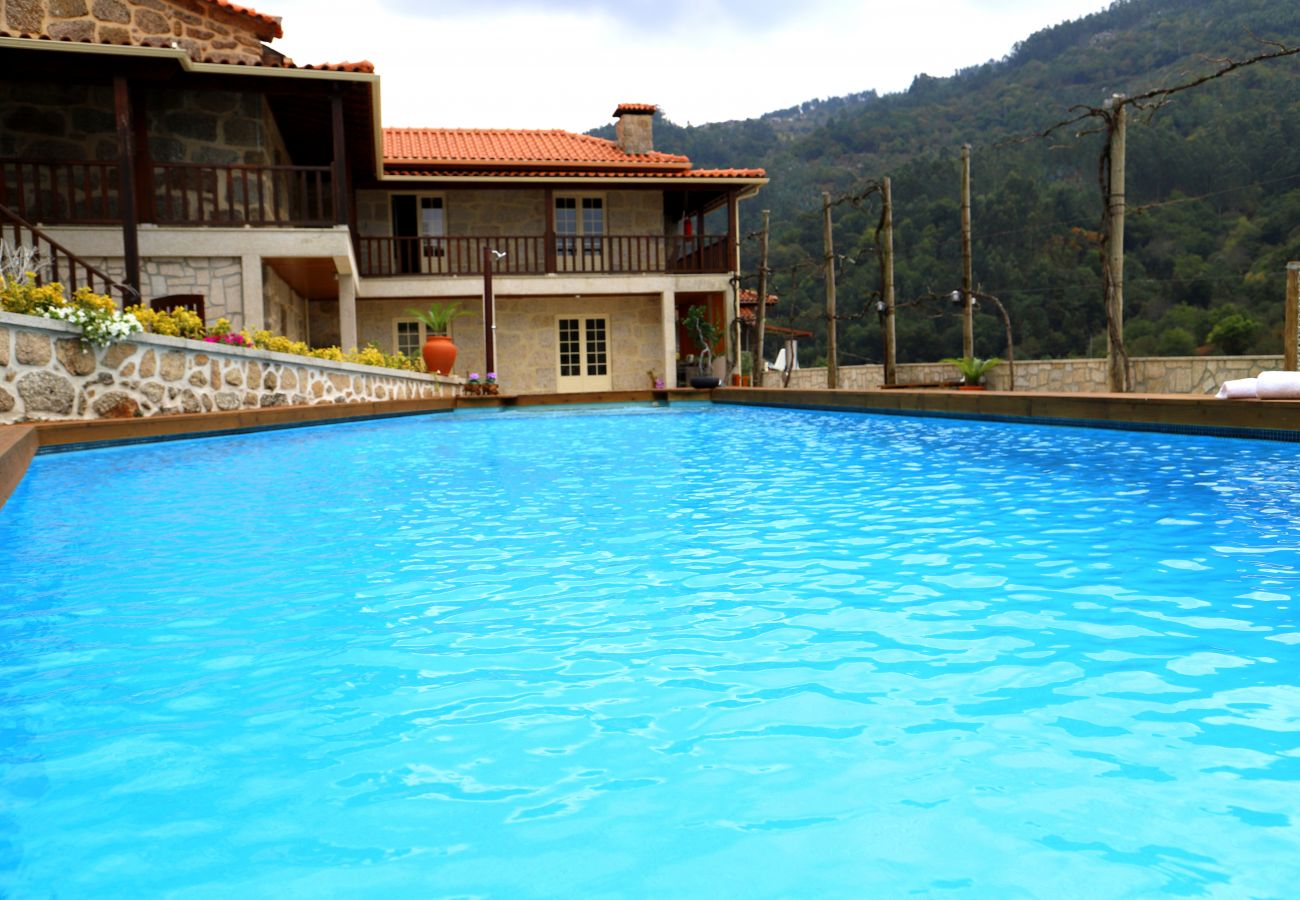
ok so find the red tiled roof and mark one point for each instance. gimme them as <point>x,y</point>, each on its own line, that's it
<point>274,29</point>
<point>364,65</point>
<point>634,108</point>
<point>749,297</point>
<point>575,173</point>
<point>495,147</point>
<point>520,153</point>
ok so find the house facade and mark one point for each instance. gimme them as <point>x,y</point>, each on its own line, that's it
<point>164,144</point>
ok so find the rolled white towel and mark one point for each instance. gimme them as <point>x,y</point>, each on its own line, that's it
<point>1278,386</point>
<point>1238,389</point>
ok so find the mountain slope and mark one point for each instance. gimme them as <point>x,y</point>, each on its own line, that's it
<point>1214,187</point>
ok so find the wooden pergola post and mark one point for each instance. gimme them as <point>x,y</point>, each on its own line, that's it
<point>1291,336</point>
<point>126,182</point>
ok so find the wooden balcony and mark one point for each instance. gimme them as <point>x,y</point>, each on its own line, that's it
<point>86,192</point>
<point>539,255</point>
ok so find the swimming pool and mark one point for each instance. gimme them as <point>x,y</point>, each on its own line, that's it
<point>720,652</point>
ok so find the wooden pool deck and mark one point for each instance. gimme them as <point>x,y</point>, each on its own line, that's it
<point>1181,413</point>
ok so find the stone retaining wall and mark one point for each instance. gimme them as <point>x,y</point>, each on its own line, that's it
<point>1151,375</point>
<point>50,374</point>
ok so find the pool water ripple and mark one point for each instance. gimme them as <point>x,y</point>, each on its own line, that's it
<point>653,652</point>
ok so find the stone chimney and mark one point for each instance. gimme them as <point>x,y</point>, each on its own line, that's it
<point>635,127</point>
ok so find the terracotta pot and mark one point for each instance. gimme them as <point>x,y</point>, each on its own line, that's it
<point>971,387</point>
<point>742,380</point>
<point>439,354</point>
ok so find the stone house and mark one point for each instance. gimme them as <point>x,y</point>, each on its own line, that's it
<point>167,146</point>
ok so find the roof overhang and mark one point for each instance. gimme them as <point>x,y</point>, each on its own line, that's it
<point>187,64</point>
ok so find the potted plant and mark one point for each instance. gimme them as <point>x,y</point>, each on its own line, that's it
<point>973,370</point>
<point>438,351</point>
<point>706,333</point>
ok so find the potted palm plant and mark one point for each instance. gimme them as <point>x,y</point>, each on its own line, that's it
<point>438,351</point>
<point>973,370</point>
<point>706,333</point>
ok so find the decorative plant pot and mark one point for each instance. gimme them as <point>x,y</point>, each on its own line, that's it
<point>742,380</point>
<point>971,387</point>
<point>439,354</point>
<point>705,382</point>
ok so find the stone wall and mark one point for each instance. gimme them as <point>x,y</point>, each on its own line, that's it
<point>516,211</point>
<point>205,31</point>
<point>1151,375</point>
<point>220,279</point>
<point>50,374</point>
<point>285,308</point>
<point>528,340</point>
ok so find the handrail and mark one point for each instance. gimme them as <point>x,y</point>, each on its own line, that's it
<point>386,256</point>
<point>62,259</point>
<point>85,192</point>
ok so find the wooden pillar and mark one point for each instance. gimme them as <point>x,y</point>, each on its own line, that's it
<point>760,314</point>
<point>967,266</point>
<point>887,281</point>
<point>1113,270</point>
<point>144,190</point>
<point>1291,336</point>
<point>832,349</point>
<point>126,182</point>
<point>340,164</point>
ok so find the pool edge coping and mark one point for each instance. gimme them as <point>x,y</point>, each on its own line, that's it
<point>21,442</point>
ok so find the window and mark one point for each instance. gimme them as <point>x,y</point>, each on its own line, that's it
<point>419,229</point>
<point>579,226</point>
<point>408,337</point>
<point>583,353</point>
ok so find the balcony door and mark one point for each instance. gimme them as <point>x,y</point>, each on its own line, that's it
<point>419,224</point>
<point>583,354</point>
<point>579,233</point>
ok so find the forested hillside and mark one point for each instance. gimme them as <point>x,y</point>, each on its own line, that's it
<point>1213,189</point>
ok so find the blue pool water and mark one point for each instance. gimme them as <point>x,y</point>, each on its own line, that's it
<point>654,652</point>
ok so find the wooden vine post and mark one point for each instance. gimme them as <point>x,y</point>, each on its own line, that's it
<point>1113,260</point>
<point>760,315</point>
<point>1291,337</point>
<point>967,265</point>
<point>887,280</point>
<point>832,351</point>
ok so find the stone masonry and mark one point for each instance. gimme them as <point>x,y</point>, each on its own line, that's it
<point>206,31</point>
<point>50,374</point>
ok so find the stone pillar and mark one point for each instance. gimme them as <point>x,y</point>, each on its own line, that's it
<point>253,303</point>
<point>668,321</point>
<point>347,312</point>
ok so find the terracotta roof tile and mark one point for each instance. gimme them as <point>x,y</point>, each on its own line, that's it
<point>495,147</point>
<point>516,172</point>
<point>274,29</point>
<point>634,108</point>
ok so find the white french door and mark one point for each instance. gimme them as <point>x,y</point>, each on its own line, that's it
<point>583,354</point>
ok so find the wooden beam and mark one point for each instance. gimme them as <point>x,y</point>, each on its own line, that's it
<point>340,164</point>
<point>126,182</point>
<point>1291,336</point>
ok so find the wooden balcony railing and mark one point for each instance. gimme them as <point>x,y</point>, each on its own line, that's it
<point>285,196</point>
<point>531,255</point>
<point>57,263</point>
<point>85,192</point>
<point>80,191</point>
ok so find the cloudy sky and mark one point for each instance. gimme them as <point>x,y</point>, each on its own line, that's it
<point>568,63</point>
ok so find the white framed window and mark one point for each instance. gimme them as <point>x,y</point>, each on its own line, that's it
<point>583,359</point>
<point>579,230</point>
<point>408,337</point>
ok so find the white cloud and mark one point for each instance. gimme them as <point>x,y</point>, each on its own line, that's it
<point>568,63</point>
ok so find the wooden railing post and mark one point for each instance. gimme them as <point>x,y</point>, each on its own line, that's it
<point>126,181</point>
